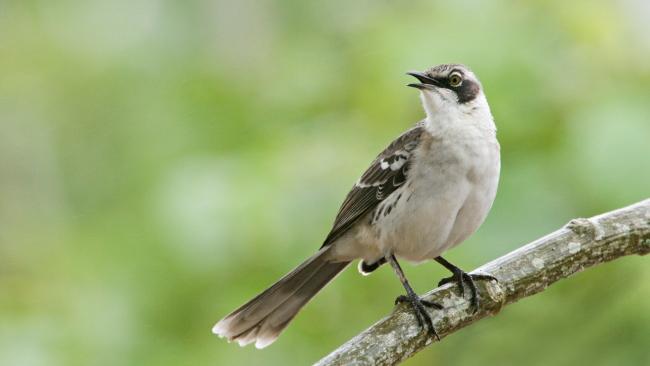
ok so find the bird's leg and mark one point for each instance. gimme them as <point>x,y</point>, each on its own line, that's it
<point>461,278</point>
<point>423,318</point>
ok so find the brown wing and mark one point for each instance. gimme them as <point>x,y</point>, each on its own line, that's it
<point>386,173</point>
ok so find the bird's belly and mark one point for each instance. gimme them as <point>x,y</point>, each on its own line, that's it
<point>471,215</point>
<point>438,216</point>
<point>420,226</point>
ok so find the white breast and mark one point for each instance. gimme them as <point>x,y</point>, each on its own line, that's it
<point>450,190</point>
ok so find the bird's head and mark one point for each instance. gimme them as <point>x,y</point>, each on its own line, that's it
<point>450,88</point>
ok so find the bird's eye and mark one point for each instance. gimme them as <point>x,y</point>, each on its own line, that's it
<point>455,79</point>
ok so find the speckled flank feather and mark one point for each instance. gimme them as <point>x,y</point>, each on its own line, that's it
<point>387,173</point>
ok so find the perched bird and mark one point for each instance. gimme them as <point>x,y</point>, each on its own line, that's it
<point>429,190</point>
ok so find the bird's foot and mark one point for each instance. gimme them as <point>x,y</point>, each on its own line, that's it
<point>423,318</point>
<point>461,278</point>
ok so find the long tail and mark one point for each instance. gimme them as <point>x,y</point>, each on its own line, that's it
<point>263,318</point>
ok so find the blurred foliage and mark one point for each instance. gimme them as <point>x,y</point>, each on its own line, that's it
<point>161,162</point>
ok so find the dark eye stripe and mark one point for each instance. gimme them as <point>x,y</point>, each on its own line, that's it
<point>467,91</point>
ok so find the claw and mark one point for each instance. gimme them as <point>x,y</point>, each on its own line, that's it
<point>462,278</point>
<point>400,299</point>
<point>430,304</point>
<point>423,318</point>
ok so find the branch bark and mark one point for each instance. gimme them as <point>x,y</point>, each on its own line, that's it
<point>582,243</point>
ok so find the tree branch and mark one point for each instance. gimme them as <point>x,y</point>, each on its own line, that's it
<point>582,243</point>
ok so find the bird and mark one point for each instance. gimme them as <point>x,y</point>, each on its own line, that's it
<point>427,192</point>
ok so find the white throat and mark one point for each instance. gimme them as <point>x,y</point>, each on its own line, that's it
<point>444,112</point>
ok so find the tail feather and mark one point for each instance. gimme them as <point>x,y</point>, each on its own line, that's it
<point>263,318</point>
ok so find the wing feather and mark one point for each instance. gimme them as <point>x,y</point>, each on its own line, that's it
<point>387,172</point>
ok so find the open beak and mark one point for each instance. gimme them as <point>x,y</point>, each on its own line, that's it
<point>426,82</point>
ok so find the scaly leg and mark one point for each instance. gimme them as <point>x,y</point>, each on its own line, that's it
<point>423,318</point>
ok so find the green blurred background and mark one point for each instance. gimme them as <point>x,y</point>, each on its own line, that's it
<point>161,162</point>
